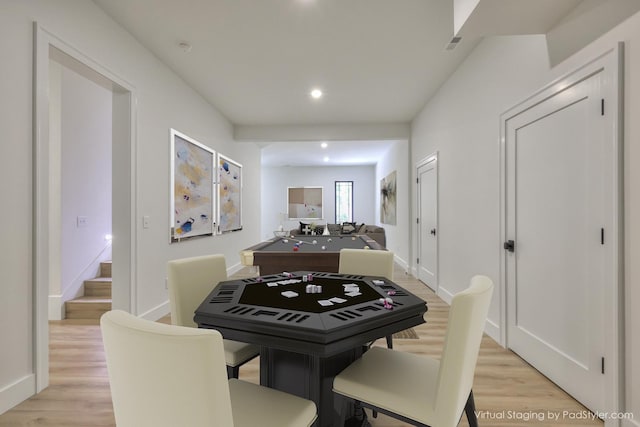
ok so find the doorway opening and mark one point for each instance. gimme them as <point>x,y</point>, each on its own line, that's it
<point>427,221</point>
<point>52,55</point>
<point>561,224</point>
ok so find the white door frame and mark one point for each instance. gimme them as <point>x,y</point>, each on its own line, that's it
<point>611,63</point>
<point>124,202</point>
<point>425,161</point>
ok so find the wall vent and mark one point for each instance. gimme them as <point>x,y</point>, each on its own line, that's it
<point>453,43</point>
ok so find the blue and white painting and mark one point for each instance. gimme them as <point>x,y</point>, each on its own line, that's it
<point>193,169</point>
<point>229,194</point>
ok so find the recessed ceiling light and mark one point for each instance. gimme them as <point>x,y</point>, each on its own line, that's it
<point>324,145</point>
<point>316,93</point>
<point>326,158</point>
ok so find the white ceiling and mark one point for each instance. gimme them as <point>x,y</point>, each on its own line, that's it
<point>339,153</point>
<point>377,61</point>
<point>257,60</point>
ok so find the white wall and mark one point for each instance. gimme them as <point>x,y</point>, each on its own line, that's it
<point>397,159</point>
<point>86,177</point>
<point>461,122</point>
<point>15,173</point>
<point>162,101</point>
<point>276,180</point>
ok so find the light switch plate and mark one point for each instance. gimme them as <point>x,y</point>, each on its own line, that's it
<point>82,221</point>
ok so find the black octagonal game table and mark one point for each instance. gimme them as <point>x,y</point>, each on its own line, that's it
<point>308,338</point>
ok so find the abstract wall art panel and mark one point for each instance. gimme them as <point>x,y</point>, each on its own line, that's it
<point>229,195</point>
<point>192,188</point>
<point>304,203</point>
<point>388,199</point>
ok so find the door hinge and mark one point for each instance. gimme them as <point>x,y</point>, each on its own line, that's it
<point>602,365</point>
<point>417,220</point>
<point>602,107</point>
<point>509,245</point>
<point>602,236</point>
<point>417,180</point>
<point>417,260</point>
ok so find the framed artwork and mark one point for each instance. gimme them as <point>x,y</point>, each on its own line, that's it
<point>304,203</point>
<point>388,199</point>
<point>229,195</point>
<point>192,188</point>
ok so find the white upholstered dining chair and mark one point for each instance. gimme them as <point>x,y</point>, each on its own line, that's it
<point>167,376</point>
<point>190,280</point>
<point>418,389</point>
<point>367,263</point>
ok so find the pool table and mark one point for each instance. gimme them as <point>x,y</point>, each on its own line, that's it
<point>300,253</point>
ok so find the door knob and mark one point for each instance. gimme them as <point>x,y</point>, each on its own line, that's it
<point>433,231</point>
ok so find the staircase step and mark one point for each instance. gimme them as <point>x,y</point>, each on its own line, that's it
<point>98,287</point>
<point>87,307</point>
<point>105,269</point>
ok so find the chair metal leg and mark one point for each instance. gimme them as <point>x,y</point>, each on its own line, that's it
<point>233,371</point>
<point>360,416</point>
<point>389,341</point>
<point>359,413</point>
<point>470,410</point>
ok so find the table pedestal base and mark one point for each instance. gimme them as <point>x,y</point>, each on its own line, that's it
<point>307,376</point>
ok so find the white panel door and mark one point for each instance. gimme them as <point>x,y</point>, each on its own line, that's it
<point>557,212</point>
<point>427,223</point>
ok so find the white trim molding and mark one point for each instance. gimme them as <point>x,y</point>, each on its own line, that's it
<point>17,392</point>
<point>124,205</point>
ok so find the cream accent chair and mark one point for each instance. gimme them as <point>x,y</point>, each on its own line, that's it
<point>190,280</point>
<point>367,263</point>
<point>417,389</point>
<point>167,376</point>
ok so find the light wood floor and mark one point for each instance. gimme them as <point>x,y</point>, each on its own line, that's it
<point>507,390</point>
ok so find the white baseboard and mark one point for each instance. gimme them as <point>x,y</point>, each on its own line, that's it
<point>403,263</point>
<point>56,307</point>
<point>157,312</point>
<point>414,272</point>
<point>17,392</point>
<point>235,268</point>
<point>445,295</point>
<point>492,329</point>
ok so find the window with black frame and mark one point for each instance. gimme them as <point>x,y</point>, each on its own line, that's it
<point>344,201</point>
